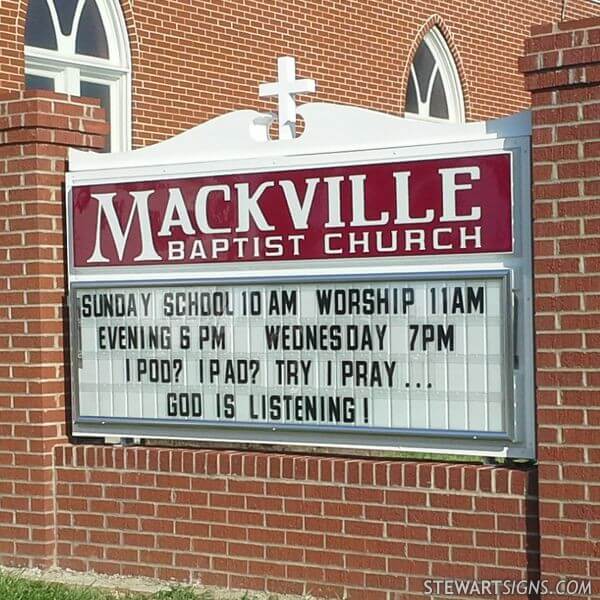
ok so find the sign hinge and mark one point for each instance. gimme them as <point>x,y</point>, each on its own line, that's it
<point>515,328</point>
<point>78,332</point>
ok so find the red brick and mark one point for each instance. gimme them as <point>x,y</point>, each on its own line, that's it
<point>472,520</point>
<point>214,501</point>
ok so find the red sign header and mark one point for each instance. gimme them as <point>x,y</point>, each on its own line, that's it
<point>427,207</point>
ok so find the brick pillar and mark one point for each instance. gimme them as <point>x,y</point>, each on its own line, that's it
<point>36,128</point>
<point>562,71</point>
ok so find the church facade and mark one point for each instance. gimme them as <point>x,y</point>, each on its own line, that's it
<point>165,68</point>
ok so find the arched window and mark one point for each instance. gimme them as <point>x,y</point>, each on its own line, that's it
<point>80,47</point>
<point>434,90</point>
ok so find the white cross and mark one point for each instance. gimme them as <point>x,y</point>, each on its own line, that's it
<point>285,88</point>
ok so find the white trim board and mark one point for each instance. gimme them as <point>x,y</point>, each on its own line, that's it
<point>329,128</point>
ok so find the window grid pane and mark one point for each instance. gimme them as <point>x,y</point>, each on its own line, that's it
<point>423,65</point>
<point>39,29</point>
<point>102,92</point>
<point>65,10</point>
<point>91,37</point>
<point>438,104</point>
<point>412,104</point>
<point>38,82</point>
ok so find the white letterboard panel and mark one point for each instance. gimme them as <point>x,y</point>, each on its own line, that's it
<point>426,355</point>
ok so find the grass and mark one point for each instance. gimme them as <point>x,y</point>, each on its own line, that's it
<point>13,587</point>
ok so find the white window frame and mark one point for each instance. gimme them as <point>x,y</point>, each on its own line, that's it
<point>68,69</point>
<point>444,62</point>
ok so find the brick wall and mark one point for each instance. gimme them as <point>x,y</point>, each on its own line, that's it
<point>213,48</point>
<point>562,68</point>
<point>292,524</point>
<point>35,131</point>
<point>195,59</point>
<point>262,521</point>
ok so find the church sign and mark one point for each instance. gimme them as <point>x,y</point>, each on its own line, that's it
<point>365,288</point>
<point>448,206</point>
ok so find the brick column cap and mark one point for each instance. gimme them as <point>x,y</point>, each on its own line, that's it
<point>40,116</point>
<point>562,54</point>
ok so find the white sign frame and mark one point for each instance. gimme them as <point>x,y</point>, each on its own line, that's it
<point>241,147</point>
